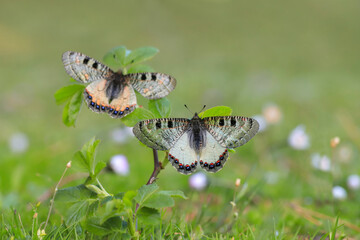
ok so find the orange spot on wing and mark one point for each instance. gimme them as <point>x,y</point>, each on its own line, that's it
<point>86,76</point>
<point>145,90</point>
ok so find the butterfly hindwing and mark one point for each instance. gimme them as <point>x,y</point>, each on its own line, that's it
<point>231,131</point>
<point>152,85</point>
<point>213,156</point>
<point>85,69</point>
<point>160,134</point>
<point>182,156</point>
<point>116,103</point>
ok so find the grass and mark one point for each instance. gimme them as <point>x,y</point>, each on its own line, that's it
<point>301,56</point>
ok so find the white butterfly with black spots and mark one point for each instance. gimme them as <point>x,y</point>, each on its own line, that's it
<point>196,141</point>
<point>113,92</point>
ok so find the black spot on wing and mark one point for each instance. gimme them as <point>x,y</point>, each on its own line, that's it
<point>221,122</point>
<point>86,60</point>
<point>143,76</point>
<point>95,65</point>
<point>170,124</point>
<point>153,77</point>
<point>233,122</point>
<point>158,124</point>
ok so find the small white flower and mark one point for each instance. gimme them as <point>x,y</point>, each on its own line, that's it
<point>119,164</point>
<point>18,143</point>
<point>121,135</point>
<point>272,113</point>
<point>198,181</point>
<point>262,122</point>
<point>298,139</point>
<point>353,182</point>
<point>339,193</point>
<point>319,162</point>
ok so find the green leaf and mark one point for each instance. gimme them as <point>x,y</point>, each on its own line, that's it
<point>88,150</point>
<point>81,160</point>
<point>159,200</point>
<point>174,193</point>
<point>64,94</point>
<point>140,68</point>
<point>74,194</point>
<point>110,226</point>
<point>72,109</point>
<point>149,216</point>
<point>99,166</point>
<point>137,115</point>
<point>140,54</point>
<point>115,58</point>
<point>81,210</point>
<point>128,197</point>
<point>145,192</point>
<point>161,108</point>
<point>216,111</point>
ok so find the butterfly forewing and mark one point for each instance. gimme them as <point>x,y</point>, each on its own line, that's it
<point>160,134</point>
<point>152,85</point>
<point>84,69</point>
<point>231,131</point>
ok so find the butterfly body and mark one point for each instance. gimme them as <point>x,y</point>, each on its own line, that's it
<point>113,92</point>
<point>196,142</point>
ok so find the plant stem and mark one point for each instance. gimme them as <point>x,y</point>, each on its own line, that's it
<point>152,179</point>
<point>157,168</point>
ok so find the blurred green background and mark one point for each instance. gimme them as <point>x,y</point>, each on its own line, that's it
<point>303,56</point>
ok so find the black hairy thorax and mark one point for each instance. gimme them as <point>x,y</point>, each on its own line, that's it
<point>196,133</point>
<point>115,86</point>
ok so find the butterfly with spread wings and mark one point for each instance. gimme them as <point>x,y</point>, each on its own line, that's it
<point>196,141</point>
<point>113,92</point>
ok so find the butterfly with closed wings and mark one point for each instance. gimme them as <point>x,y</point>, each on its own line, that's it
<point>196,141</point>
<point>113,92</point>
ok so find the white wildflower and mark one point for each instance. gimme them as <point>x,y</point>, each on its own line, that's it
<point>298,139</point>
<point>198,181</point>
<point>319,162</point>
<point>339,193</point>
<point>353,182</point>
<point>119,164</point>
<point>18,143</point>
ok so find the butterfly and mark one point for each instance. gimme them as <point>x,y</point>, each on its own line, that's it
<point>196,141</point>
<point>113,92</point>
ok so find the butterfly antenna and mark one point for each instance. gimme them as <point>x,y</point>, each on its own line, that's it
<point>203,108</point>
<point>188,108</point>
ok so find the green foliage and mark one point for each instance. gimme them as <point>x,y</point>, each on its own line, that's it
<point>72,96</point>
<point>140,55</point>
<point>216,111</point>
<point>111,215</point>
<point>137,115</point>
<point>161,108</point>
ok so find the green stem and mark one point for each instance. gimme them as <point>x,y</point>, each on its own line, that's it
<point>102,188</point>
